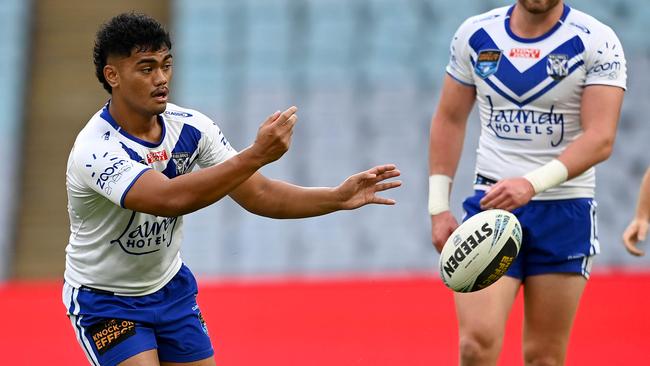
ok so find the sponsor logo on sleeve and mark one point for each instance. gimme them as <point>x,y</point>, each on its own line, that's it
<point>112,173</point>
<point>111,332</point>
<point>487,63</point>
<point>155,156</point>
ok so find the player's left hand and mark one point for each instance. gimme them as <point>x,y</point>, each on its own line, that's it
<point>360,189</point>
<point>635,232</point>
<point>508,194</point>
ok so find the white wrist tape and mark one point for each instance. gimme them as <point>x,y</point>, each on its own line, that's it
<point>438,193</point>
<point>547,176</point>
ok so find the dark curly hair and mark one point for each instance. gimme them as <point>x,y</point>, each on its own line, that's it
<point>123,34</point>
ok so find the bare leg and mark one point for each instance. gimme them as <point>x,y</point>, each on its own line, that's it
<point>551,302</point>
<point>204,362</point>
<point>146,358</point>
<point>482,319</point>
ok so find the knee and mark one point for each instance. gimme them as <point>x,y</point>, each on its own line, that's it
<point>547,356</point>
<point>479,347</point>
<point>543,361</point>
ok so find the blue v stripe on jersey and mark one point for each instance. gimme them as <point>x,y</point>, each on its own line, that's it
<point>188,143</point>
<point>522,82</point>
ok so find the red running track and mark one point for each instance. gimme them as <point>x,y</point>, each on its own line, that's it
<point>351,321</point>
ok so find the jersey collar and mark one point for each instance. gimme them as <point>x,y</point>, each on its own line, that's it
<point>559,23</point>
<point>106,115</point>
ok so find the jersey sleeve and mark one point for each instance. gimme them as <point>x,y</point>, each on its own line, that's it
<point>214,148</point>
<point>460,65</point>
<point>605,61</point>
<point>107,169</point>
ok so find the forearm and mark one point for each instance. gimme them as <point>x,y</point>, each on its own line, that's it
<point>282,200</point>
<point>643,203</point>
<point>187,193</point>
<point>445,146</point>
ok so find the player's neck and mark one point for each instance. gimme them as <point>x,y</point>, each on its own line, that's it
<point>531,25</point>
<point>141,125</point>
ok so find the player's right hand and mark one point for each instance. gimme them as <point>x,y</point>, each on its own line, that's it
<point>442,225</point>
<point>635,232</point>
<point>274,135</point>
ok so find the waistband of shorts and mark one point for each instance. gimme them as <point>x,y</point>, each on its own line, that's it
<point>95,290</point>
<point>482,180</point>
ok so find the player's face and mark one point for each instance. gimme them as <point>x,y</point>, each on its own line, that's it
<point>142,80</point>
<point>538,6</point>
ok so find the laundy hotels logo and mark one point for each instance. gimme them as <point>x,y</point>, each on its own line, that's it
<point>146,236</point>
<point>526,124</point>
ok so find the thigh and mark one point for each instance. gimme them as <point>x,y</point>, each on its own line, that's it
<point>205,362</point>
<point>181,332</point>
<point>551,302</point>
<point>106,327</point>
<point>147,358</point>
<point>482,314</point>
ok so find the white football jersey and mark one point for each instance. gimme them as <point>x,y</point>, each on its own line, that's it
<point>115,249</point>
<point>529,90</point>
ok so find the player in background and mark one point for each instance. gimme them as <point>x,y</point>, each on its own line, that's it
<point>549,82</point>
<point>637,230</point>
<point>129,297</point>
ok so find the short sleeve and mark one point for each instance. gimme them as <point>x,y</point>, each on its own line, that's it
<point>460,65</point>
<point>214,148</point>
<point>107,169</point>
<point>605,61</point>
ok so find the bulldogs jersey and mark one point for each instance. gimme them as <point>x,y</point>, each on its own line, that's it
<point>529,90</point>
<point>115,249</point>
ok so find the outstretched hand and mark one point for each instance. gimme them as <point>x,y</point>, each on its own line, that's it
<point>360,189</point>
<point>635,232</point>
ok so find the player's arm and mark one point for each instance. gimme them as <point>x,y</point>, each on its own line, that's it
<point>278,199</point>
<point>446,138</point>
<point>599,112</point>
<point>158,195</point>
<point>637,230</point>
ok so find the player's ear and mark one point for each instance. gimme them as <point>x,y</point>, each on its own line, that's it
<point>111,75</point>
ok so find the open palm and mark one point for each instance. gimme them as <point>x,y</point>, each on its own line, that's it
<point>361,189</point>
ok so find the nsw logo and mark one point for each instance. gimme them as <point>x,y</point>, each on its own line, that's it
<point>487,63</point>
<point>557,66</point>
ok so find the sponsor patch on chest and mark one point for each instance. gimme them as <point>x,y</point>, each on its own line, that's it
<point>524,53</point>
<point>155,156</point>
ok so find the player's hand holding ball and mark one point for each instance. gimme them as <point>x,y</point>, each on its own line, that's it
<point>442,225</point>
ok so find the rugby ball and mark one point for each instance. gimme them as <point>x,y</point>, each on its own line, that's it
<point>480,250</point>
